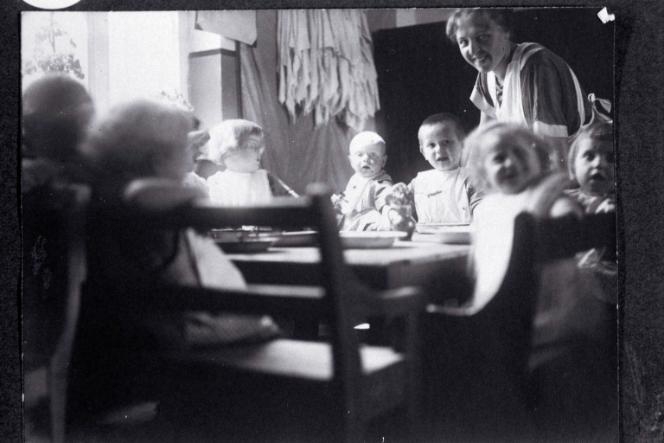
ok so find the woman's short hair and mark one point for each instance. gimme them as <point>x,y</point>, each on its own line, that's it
<point>141,138</point>
<point>500,16</point>
<point>476,148</point>
<point>232,135</point>
<point>598,131</point>
<point>56,112</point>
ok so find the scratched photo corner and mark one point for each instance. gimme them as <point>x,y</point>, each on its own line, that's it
<point>462,235</point>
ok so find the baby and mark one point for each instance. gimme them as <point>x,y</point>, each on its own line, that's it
<point>238,145</point>
<point>362,205</point>
<point>442,194</point>
<point>591,164</point>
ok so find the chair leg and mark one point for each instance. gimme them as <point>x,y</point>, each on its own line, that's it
<point>58,405</point>
<point>414,387</point>
<point>353,429</point>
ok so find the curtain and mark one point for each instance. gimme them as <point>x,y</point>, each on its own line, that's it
<point>299,152</point>
<point>326,65</point>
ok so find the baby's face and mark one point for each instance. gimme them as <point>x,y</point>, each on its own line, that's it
<point>594,166</point>
<point>246,159</point>
<point>440,146</point>
<point>368,160</point>
<point>509,167</point>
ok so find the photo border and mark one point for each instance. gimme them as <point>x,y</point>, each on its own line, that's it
<point>639,62</point>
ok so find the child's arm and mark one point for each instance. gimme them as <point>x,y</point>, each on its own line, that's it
<point>474,196</point>
<point>564,205</point>
<point>278,187</point>
<point>411,193</point>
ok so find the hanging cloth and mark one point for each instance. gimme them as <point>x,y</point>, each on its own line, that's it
<point>326,65</point>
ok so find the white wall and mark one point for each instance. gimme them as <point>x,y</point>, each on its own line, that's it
<point>144,54</point>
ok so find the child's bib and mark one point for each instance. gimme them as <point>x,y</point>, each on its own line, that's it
<point>230,188</point>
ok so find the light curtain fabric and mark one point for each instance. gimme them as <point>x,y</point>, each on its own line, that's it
<point>326,65</point>
<point>298,152</point>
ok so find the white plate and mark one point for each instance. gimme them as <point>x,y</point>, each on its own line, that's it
<point>296,238</point>
<point>369,239</point>
<point>245,246</point>
<point>456,234</point>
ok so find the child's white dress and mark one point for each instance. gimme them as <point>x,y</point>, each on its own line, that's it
<point>230,188</point>
<point>443,196</point>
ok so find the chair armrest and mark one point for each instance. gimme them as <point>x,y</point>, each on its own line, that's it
<point>394,302</point>
<point>285,301</point>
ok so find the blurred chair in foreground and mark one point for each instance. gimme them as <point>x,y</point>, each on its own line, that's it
<point>491,380</point>
<point>277,389</point>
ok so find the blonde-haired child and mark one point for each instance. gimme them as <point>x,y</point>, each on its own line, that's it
<point>442,194</point>
<point>238,146</point>
<point>512,167</point>
<point>360,207</point>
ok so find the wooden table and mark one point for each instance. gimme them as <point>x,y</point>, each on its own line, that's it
<point>439,268</point>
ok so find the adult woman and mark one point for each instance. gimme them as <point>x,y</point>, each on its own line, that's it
<point>522,83</point>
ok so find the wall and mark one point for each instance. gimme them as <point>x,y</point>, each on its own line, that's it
<point>396,18</point>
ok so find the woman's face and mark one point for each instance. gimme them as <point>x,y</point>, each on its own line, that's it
<point>483,44</point>
<point>509,166</point>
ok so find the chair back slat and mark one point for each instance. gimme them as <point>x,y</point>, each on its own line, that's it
<point>565,236</point>
<point>283,213</point>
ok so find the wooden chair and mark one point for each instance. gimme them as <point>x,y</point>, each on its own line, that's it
<point>54,265</point>
<point>481,376</point>
<point>357,382</point>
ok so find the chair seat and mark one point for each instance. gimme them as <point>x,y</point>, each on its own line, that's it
<point>285,358</point>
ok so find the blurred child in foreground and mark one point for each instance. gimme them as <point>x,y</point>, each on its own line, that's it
<point>139,155</point>
<point>568,363</point>
<point>57,111</point>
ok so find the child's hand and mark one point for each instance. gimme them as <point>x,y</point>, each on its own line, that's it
<point>196,139</point>
<point>546,194</point>
<point>395,217</point>
<point>398,195</point>
<point>607,205</point>
<point>338,202</point>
